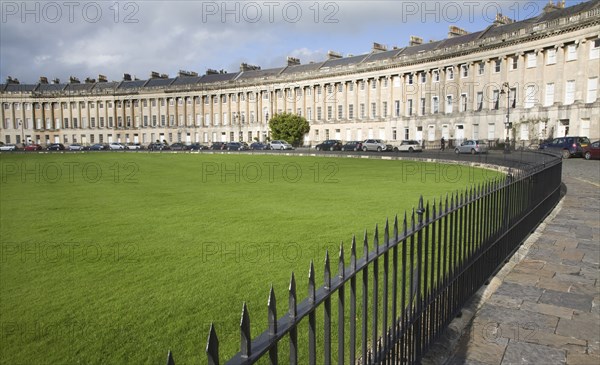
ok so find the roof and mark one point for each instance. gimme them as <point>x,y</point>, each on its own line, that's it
<point>491,33</point>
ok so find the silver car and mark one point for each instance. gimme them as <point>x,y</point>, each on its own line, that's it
<point>375,145</point>
<point>76,147</point>
<point>280,145</point>
<point>471,146</point>
<point>8,147</point>
<point>116,146</point>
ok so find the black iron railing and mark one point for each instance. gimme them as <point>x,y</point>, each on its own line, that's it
<point>422,273</point>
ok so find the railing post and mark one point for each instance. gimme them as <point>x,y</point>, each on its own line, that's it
<point>272,318</point>
<point>292,312</point>
<point>212,346</point>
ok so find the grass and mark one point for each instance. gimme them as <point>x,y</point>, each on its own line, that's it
<point>119,257</point>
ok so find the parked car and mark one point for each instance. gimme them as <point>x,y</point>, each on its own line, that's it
<point>218,146</point>
<point>567,146</point>
<point>8,147</point>
<point>198,147</point>
<point>471,146</point>
<point>56,147</point>
<point>592,151</point>
<point>236,146</point>
<point>408,146</point>
<point>76,147</point>
<point>178,146</point>
<point>98,147</point>
<point>133,146</point>
<point>280,145</point>
<point>157,146</point>
<point>352,146</point>
<point>375,145</point>
<point>259,146</point>
<point>329,145</point>
<point>116,146</point>
<point>33,147</point>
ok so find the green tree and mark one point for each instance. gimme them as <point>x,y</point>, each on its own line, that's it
<point>289,127</point>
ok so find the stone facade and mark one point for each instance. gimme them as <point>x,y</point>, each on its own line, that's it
<point>544,71</point>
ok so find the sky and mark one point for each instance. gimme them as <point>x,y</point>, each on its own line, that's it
<point>59,39</point>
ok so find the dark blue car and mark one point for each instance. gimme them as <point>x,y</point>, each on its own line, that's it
<point>567,146</point>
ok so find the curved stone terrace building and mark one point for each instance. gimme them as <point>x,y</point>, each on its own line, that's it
<point>540,74</point>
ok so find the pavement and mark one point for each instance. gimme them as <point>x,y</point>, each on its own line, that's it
<point>543,307</point>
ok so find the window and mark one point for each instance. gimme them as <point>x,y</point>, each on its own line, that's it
<point>491,131</point>
<point>480,68</point>
<point>550,56</point>
<point>497,64</point>
<point>279,94</point>
<point>308,113</point>
<point>422,106</point>
<point>463,102</point>
<point>340,111</point>
<point>385,82</point>
<point>373,84</point>
<point>362,111</point>
<point>329,89</point>
<point>329,112</point>
<point>171,102</point>
<point>362,85</point>
<point>514,62</point>
<point>595,49</point>
<point>435,107</point>
<point>319,116</point>
<point>592,90</point>
<point>531,60</point>
<point>384,109</point>
<point>496,99</point>
<point>450,73</point>
<point>549,94</point>
<point>530,96</point>
<point>373,110</point>
<point>409,107</point>
<point>479,105</point>
<point>464,71</point>
<point>570,92</point>
<point>448,104</point>
<point>423,77</point>
<point>436,75</point>
<point>351,111</point>
<point>396,81</point>
<point>571,52</point>
<point>396,108</point>
<point>318,87</point>
<point>409,79</point>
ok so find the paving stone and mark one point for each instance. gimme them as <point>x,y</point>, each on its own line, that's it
<point>516,277</point>
<point>565,269</point>
<point>548,309</point>
<point>583,359</point>
<point>529,353</point>
<point>572,255</point>
<point>575,279</point>
<point>485,352</point>
<point>584,330</point>
<point>553,284</point>
<point>584,289</point>
<point>514,318</point>
<point>567,300</point>
<point>504,301</point>
<point>525,292</point>
<point>553,340</point>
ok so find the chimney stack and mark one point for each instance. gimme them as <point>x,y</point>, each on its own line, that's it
<point>332,55</point>
<point>502,19</point>
<point>10,80</point>
<point>126,77</point>
<point>293,61</point>
<point>73,80</point>
<point>454,31</point>
<point>43,80</point>
<point>102,78</point>
<point>378,47</point>
<point>415,41</point>
<point>246,67</point>
<point>89,80</point>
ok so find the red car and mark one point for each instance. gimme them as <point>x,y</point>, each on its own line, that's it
<point>592,151</point>
<point>33,147</point>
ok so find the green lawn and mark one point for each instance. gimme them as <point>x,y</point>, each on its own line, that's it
<point>118,257</point>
